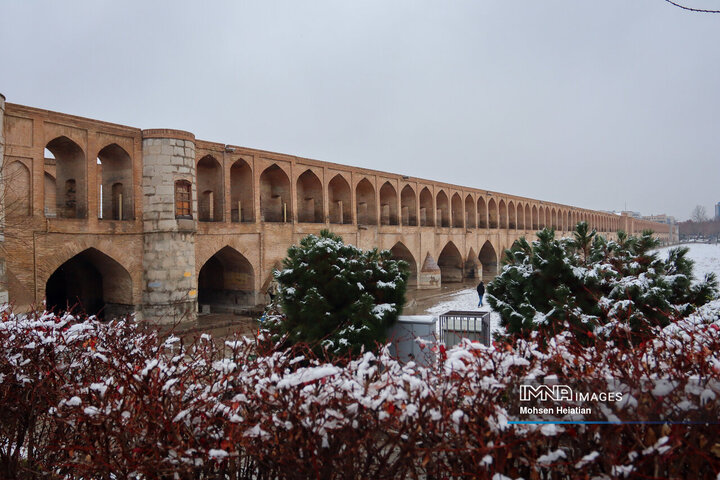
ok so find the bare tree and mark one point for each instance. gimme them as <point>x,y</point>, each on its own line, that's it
<point>699,214</point>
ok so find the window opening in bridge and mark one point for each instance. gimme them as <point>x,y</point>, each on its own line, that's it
<point>90,282</point>
<point>68,167</point>
<point>17,190</point>
<point>241,192</point>
<point>457,211</point>
<point>492,213</point>
<point>527,220</point>
<point>309,198</point>
<point>451,264</point>
<point>50,192</point>
<point>401,252</point>
<point>340,201</point>
<point>114,167</point>
<point>470,212</point>
<point>482,213</point>
<point>535,223</point>
<point>226,283</point>
<point>512,213</point>
<point>388,205</point>
<point>443,209</point>
<point>210,183</point>
<point>366,207</point>
<point>502,207</point>
<point>275,203</point>
<point>427,208</point>
<point>183,199</point>
<point>408,206</point>
<point>488,259</point>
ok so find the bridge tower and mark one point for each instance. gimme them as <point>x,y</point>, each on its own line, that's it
<point>169,226</point>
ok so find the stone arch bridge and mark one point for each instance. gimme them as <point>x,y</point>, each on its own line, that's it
<point>164,224</point>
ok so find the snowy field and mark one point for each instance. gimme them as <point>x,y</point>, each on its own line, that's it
<point>706,258</point>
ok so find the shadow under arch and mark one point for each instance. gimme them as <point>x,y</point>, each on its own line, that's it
<point>489,261</point>
<point>400,252</point>
<point>226,282</point>
<point>90,282</point>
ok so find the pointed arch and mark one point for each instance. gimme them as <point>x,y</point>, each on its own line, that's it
<point>340,199</point>
<point>401,252</point>
<point>427,208</point>
<point>92,282</point>
<point>492,213</point>
<point>18,192</point>
<point>470,212</point>
<point>70,168</point>
<point>309,198</point>
<point>226,282</point>
<point>116,183</point>
<point>209,189</point>
<point>241,192</point>
<point>442,207</point>
<point>408,206</point>
<point>482,213</point>
<point>450,262</point>
<point>489,260</point>
<point>512,216</point>
<point>535,218</point>
<point>275,197</point>
<point>527,223</point>
<point>457,211</point>
<point>388,205</point>
<point>366,207</point>
<point>502,212</point>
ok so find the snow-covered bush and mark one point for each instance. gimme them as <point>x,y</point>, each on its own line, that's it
<point>595,287</point>
<point>337,296</point>
<point>86,399</point>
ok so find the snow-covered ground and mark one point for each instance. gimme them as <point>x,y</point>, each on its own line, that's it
<point>706,258</point>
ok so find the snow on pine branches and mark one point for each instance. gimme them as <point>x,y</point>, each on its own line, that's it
<point>81,398</point>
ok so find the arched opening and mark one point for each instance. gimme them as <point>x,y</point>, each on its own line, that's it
<point>70,170</point>
<point>226,282</point>
<point>210,189</point>
<point>535,218</point>
<point>489,261</point>
<point>275,203</point>
<point>116,180</point>
<point>457,212</point>
<point>340,201</point>
<point>401,252</point>
<point>473,268</point>
<point>512,216</point>
<point>91,282</point>
<point>554,219</point>
<point>451,264</point>
<point>527,221</point>
<point>541,218</point>
<point>470,212</point>
<point>365,199</point>
<point>408,206</point>
<point>502,207</point>
<point>388,205</point>
<point>50,204</point>
<point>442,206</point>
<point>482,213</point>
<point>492,213</point>
<point>309,198</point>
<point>427,209</point>
<point>241,192</point>
<point>17,190</point>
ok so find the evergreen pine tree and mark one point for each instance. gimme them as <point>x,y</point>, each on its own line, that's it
<point>337,297</point>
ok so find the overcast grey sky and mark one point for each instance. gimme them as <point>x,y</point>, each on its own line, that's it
<point>596,104</point>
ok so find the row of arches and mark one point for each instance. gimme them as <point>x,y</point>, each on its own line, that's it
<point>97,284</point>
<point>384,207</point>
<point>65,193</point>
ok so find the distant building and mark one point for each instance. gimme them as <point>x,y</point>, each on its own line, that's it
<point>717,211</point>
<point>632,214</point>
<point>661,218</point>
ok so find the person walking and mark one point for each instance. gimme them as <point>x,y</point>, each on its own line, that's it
<point>481,292</point>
